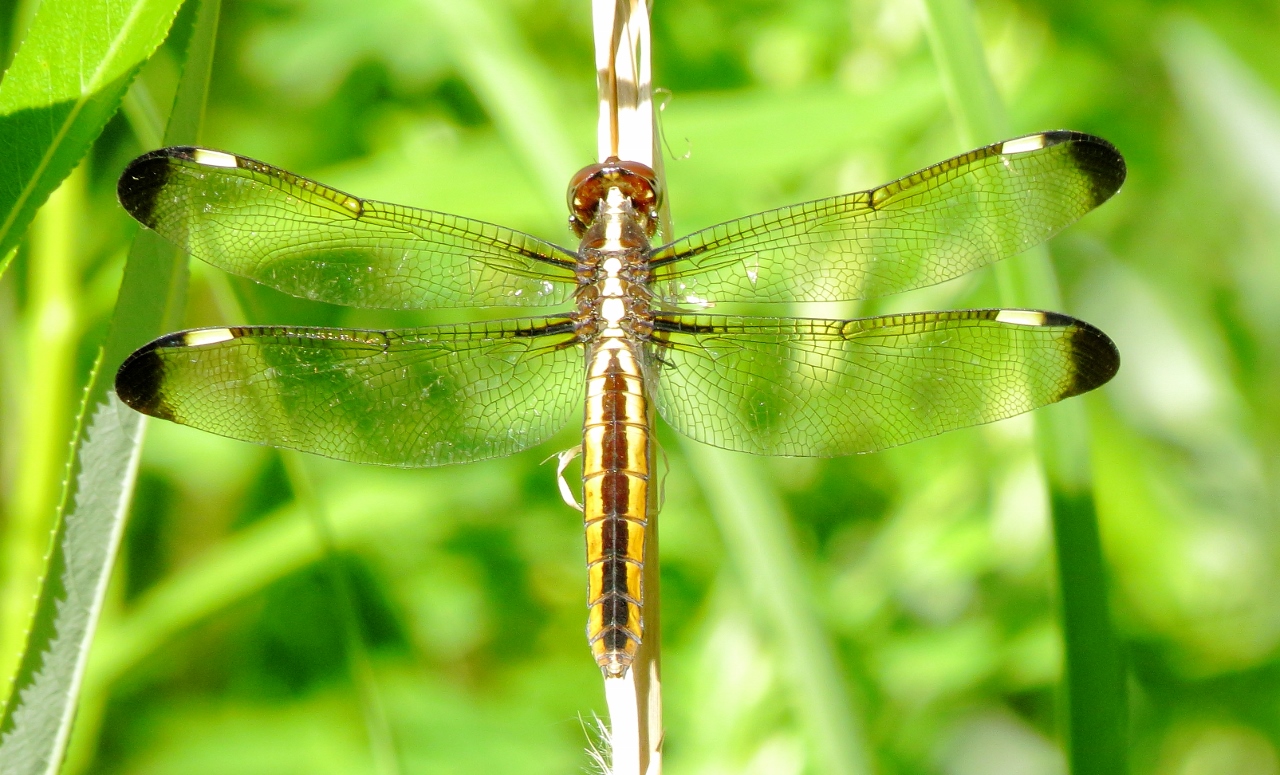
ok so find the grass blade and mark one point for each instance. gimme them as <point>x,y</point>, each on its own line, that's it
<point>49,406</point>
<point>1229,103</point>
<point>753,524</point>
<point>278,545</point>
<point>37,721</point>
<point>39,714</point>
<point>1095,698</point>
<point>64,83</point>
<point>381,740</point>
<point>513,88</point>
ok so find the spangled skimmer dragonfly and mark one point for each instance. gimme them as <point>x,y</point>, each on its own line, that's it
<point>767,385</point>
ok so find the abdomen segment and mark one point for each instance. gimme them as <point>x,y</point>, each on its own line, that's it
<point>615,478</point>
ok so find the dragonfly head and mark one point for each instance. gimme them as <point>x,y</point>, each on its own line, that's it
<point>591,185</point>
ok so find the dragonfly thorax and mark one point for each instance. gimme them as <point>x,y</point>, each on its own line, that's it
<point>613,295</point>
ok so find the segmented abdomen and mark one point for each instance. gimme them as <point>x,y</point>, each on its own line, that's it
<point>615,483</point>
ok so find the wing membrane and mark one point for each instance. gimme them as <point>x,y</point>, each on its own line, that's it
<point>933,225</point>
<point>415,397</point>
<point>788,386</point>
<point>308,240</point>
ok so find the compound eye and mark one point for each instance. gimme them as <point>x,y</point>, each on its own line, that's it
<point>591,184</point>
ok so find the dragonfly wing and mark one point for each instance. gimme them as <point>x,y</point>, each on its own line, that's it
<point>414,397</point>
<point>789,386</point>
<point>315,242</point>
<point>930,226</point>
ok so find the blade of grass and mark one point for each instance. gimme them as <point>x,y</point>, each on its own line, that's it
<point>966,80</point>
<point>39,713</point>
<point>65,82</point>
<point>1230,104</point>
<point>279,544</point>
<point>381,741</point>
<point>980,119</point>
<point>142,114</point>
<point>753,524</point>
<point>513,87</point>
<point>49,407</point>
<point>1096,708</point>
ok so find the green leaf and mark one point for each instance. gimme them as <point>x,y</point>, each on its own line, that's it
<point>37,721</point>
<point>38,718</point>
<point>65,82</point>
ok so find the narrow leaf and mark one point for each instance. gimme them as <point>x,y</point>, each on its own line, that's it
<point>64,83</point>
<point>754,526</point>
<point>38,718</point>
<point>37,722</point>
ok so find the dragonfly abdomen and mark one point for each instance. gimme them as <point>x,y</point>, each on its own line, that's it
<point>615,484</point>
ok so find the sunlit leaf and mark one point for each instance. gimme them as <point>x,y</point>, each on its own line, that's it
<point>42,706</point>
<point>65,82</point>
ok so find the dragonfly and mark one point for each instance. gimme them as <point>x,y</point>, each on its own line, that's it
<point>632,338</point>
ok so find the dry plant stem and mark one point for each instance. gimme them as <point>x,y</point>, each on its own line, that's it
<point>626,131</point>
<point>626,128</point>
<point>509,82</point>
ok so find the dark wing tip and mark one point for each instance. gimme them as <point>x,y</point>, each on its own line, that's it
<point>1094,356</point>
<point>140,380</point>
<point>1098,159</point>
<point>142,180</point>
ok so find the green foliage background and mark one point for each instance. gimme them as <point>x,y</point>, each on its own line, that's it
<point>224,645</point>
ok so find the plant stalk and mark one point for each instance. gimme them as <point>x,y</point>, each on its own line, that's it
<point>625,129</point>
<point>51,339</point>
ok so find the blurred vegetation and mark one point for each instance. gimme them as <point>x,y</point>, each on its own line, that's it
<point>930,565</point>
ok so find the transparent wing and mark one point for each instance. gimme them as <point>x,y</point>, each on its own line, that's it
<point>933,225</point>
<point>789,386</point>
<point>308,240</point>
<point>416,397</point>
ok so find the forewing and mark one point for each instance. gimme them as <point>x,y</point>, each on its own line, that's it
<point>308,240</point>
<point>789,386</point>
<point>415,397</point>
<point>933,225</point>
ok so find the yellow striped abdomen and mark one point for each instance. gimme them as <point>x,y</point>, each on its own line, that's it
<point>615,485</point>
